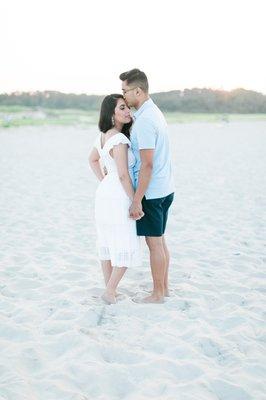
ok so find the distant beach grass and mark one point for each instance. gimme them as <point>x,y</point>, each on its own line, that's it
<point>12,116</point>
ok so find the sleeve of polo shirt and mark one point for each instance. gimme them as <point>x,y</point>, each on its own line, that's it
<point>146,135</point>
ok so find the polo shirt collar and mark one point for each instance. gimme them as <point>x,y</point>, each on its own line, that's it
<point>145,105</point>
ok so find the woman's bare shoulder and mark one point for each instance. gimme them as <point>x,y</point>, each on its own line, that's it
<point>112,132</point>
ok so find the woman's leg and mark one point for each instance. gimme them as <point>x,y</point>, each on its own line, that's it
<point>116,276</point>
<point>107,270</point>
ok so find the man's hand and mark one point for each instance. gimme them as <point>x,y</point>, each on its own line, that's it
<point>135,210</point>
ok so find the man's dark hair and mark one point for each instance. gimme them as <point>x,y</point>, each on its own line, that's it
<point>107,111</point>
<point>136,77</point>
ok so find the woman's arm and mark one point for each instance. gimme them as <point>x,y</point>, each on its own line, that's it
<point>94,161</point>
<point>120,155</point>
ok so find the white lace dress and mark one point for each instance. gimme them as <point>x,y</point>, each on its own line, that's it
<point>117,239</point>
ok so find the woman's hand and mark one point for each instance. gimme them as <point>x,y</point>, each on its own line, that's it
<point>135,210</point>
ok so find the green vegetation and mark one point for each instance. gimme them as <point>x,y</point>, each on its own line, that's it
<point>176,117</point>
<point>189,105</point>
<point>22,116</point>
<point>239,101</point>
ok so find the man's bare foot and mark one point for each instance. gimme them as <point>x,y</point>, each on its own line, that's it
<point>108,298</point>
<point>153,299</point>
<point>166,293</point>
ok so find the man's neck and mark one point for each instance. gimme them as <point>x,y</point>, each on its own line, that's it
<point>142,101</point>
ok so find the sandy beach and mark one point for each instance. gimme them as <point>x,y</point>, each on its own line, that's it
<point>206,342</point>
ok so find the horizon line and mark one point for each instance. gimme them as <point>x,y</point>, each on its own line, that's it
<point>163,91</point>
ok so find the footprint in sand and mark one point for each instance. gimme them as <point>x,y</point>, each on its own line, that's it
<point>95,292</point>
<point>55,328</point>
<point>226,391</point>
<point>13,332</point>
<point>117,355</point>
<point>30,358</point>
<point>210,348</point>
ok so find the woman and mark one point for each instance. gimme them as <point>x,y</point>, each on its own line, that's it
<point>118,243</point>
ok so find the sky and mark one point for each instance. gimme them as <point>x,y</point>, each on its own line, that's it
<point>81,46</point>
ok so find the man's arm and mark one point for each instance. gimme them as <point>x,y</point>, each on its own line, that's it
<point>146,156</point>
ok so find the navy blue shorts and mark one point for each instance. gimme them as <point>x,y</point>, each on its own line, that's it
<point>153,223</point>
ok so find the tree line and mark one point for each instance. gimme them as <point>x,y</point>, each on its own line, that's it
<point>188,100</point>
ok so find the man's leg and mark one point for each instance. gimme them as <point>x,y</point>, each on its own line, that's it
<point>166,205</point>
<point>158,268</point>
<point>167,256</point>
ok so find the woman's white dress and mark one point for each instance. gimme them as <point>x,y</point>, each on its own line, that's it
<point>117,238</point>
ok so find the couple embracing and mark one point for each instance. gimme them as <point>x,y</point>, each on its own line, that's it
<point>136,185</point>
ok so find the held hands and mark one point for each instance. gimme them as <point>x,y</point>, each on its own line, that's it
<point>135,210</point>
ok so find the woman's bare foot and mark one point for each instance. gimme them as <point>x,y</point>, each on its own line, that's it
<point>109,298</point>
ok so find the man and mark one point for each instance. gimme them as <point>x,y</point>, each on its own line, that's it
<point>153,177</point>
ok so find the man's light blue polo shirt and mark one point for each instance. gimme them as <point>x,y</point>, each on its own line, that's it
<point>149,131</point>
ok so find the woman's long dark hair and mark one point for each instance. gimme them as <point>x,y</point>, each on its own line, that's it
<point>107,111</point>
